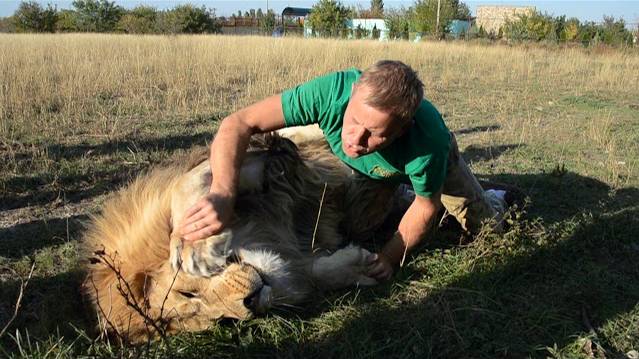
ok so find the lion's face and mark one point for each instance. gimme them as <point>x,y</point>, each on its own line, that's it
<point>194,302</point>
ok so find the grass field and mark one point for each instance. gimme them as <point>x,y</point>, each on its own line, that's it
<point>82,114</point>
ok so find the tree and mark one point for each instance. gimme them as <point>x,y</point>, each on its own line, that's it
<point>425,14</point>
<point>7,24</point>
<point>397,23</point>
<point>259,13</point>
<point>141,20</point>
<point>614,32</point>
<point>268,22</point>
<point>377,8</point>
<point>328,17</point>
<point>463,12</point>
<point>570,30</point>
<point>97,15</point>
<point>67,21</point>
<point>188,19</point>
<point>31,17</point>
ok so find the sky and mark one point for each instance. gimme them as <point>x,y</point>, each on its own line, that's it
<point>585,10</point>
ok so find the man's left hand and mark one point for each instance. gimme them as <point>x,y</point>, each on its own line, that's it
<point>379,267</point>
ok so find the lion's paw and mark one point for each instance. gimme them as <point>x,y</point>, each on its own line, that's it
<point>202,258</point>
<point>345,267</point>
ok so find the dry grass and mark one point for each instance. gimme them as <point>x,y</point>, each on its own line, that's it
<point>80,114</point>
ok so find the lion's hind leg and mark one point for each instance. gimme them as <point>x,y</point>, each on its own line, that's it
<point>345,267</point>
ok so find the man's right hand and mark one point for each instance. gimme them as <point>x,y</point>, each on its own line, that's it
<point>209,216</point>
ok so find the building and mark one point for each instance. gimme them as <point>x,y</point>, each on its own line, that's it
<point>492,18</point>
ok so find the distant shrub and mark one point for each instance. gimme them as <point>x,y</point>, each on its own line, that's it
<point>360,32</point>
<point>542,27</point>
<point>328,18</point>
<point>7,24</point>
<point>67,21</point>
<point>140,20</point>
<point>188,19</point>
<point>614,32</point>
<point>533,27</point>
<point>97,15</point>
<point>397,23</point>
<point>31,17</point>
<point>267,22</point>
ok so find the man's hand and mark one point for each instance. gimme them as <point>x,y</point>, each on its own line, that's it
<point>379,267</point>
<point>209,216</point>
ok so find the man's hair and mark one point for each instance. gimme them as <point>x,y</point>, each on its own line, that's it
<point>394,87</point>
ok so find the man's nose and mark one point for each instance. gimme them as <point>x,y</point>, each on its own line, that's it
<point>358,136</point>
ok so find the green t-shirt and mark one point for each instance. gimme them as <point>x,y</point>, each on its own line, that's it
<point>418,157</point>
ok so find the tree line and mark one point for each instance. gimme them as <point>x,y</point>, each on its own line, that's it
<point>106,16</point>
<point>328,18</point>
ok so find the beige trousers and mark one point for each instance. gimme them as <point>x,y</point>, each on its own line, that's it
<point>368,201</point>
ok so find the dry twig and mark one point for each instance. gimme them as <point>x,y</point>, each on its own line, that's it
<point>23,286</point>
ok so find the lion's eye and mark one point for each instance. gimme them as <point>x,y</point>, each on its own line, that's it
<point>187,294</point>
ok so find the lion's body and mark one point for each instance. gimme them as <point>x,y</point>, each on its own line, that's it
<point>144,280</point>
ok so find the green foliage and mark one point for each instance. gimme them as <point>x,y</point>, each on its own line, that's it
<point>67,21</point>
<point>397,23</point>
<point>329,17</point>
<point>188,19</point>
<point>533,27</point>
<point>543,27</point>
<point>360,32</point>
<point>377,8</point>
<point>31,17</point>
<point>7,24</point>
<point>267,24</point>
<point>97,15</point>
<point>425,15</point>
<point>140,20</point>
<point>614,32</point>
<point>463,12</point>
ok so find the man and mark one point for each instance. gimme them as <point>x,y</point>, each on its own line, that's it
<point>376,122</point>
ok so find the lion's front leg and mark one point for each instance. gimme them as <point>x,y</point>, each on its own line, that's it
<point>346,267</point>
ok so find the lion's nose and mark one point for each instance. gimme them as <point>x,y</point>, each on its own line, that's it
<point>251,302</point>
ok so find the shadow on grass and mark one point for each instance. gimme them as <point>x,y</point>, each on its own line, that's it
<point>51,306</point>
<point>169,143</point>
<point>465,131</point>
<point>511,307</point>
<point>510,310</point>
<point>26,238</point>
<point>474,153</point>
<point>21,191</point>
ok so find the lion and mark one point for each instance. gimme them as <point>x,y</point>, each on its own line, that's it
<point>297,208</point>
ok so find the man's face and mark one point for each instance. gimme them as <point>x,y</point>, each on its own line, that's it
<point>366,129</point>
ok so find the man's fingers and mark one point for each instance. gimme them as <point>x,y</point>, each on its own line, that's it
<point>202,233</point>
<point>193,209</point>
<point>372,258</point>
<point>375,269</point>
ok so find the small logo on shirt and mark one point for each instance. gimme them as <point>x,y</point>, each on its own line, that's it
<point>382,172</point>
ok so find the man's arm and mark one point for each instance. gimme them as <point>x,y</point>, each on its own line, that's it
<point>211,214</point>
<point>413,227</point>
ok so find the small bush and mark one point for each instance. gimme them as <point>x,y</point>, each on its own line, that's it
<point>140,20</point>
<point>31,17</point>
<point>188,19</point>
<point>97,15</point>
